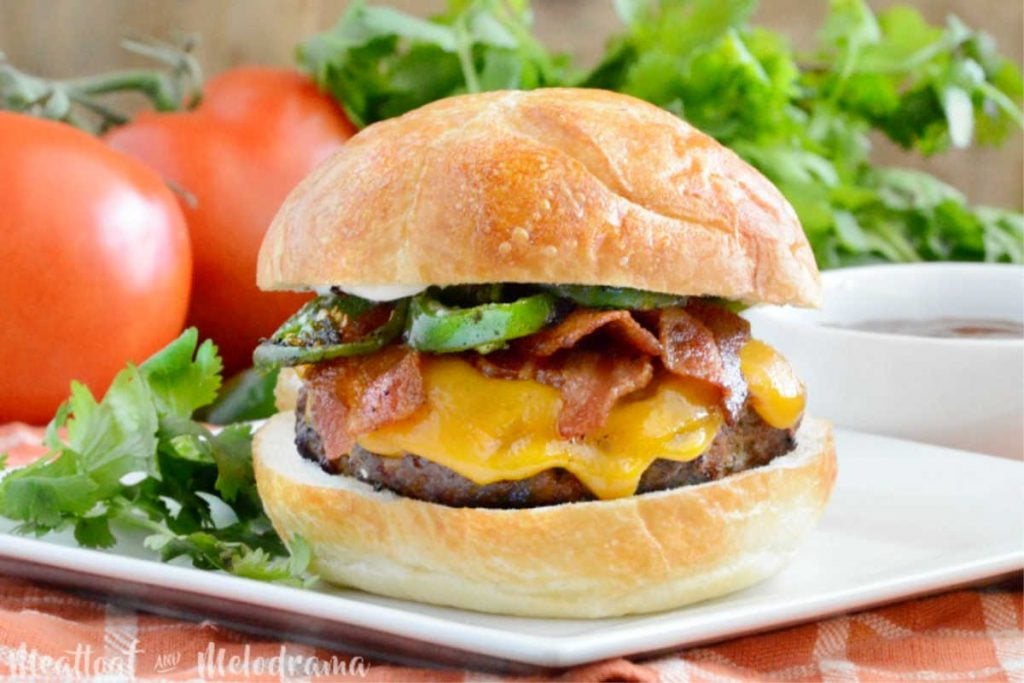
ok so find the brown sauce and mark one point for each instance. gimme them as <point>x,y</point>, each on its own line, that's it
<point>968,328</point>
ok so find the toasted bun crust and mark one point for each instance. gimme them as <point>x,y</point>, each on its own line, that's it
<point>598,559</point>
<point>559,185</point>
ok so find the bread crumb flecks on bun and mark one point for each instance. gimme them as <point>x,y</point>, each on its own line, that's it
<point>583,560</point>
<point>562,186</point>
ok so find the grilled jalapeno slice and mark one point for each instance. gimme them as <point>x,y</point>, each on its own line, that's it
<point>437,328</point>
<point>615,297</point>
<point>324,328</point>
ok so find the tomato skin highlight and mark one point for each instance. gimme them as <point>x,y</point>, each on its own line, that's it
<point>257,133</point>
<point>95,264</point>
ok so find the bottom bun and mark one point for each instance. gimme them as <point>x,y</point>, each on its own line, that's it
<point>595,559</point>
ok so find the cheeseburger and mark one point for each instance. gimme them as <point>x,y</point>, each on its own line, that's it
<point>523,387</point>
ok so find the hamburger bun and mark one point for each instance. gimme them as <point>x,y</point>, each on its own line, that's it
<point>561,186</point>
<point>595,559</point>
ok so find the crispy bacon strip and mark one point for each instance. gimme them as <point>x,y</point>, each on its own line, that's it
<point>688,348</point>
<point>590,383</point>
<point>390,391</point>
<point>583,322</point>
<point>506,364</point>
<point>730,333</point>
<point>328,416</point>
<point>357,395</point>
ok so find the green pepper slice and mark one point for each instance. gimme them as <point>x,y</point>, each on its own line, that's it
<point>315,333</point>
<point>437,328</point>
<point>615,297</point>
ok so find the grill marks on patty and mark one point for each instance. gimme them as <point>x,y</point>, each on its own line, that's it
<point>593,358</point>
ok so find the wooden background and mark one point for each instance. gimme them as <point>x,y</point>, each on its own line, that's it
<point>73,37</point>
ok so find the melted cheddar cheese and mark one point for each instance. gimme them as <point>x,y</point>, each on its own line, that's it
<point>775,392</point>
<point>489,429</point>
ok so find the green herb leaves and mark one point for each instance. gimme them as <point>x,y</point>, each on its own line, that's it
<point>180,382</point>
<point>137,459</point>
<point>926,87</point>
<point>380,63</point>
<point>804,120</point>
<point>105,441</point>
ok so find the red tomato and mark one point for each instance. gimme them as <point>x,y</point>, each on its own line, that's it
<point>94,264</point>
<point>258,132</point>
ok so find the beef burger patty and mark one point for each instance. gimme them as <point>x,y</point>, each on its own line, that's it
<point>748,443</point>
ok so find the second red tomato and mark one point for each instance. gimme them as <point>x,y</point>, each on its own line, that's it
<point>258,132</point>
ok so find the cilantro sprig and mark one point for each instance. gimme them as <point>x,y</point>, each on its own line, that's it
<point>805,121</point>
<point>379,62</point>
<point>137,459</point>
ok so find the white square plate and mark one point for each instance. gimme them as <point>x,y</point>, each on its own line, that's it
<point>906,519</point>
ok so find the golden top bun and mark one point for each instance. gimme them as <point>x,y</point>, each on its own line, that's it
<point>562,186</point>
<point>598,559</point>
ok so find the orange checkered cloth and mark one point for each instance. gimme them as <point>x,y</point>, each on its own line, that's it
<point>49,634</point>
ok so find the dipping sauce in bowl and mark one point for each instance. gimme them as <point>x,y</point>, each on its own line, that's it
<point>930,352</point>
<point>972,328</point>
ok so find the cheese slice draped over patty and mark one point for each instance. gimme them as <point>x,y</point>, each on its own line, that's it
<point>489,429</point>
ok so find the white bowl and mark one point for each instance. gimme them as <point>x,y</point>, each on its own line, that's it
<point>960,392</point>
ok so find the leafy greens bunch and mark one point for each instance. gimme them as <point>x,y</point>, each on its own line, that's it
<point>805,121</point>
<point>137,459</point>
<point>379,62</point>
